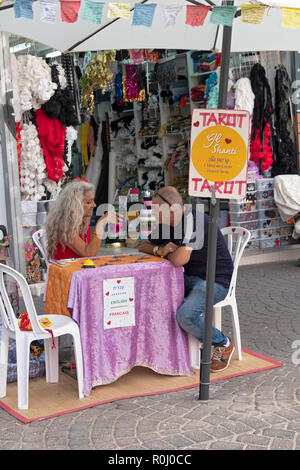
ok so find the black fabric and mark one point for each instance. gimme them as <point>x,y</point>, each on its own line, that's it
<point>197,264</point>
<point>101,196</point>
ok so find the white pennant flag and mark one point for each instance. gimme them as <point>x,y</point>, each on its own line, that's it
<point>48,9</point>
<point>170,13</point>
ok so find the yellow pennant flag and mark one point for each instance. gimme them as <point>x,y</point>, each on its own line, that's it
<point>290,17</point>
<point>119,10</point>
<point>252,13</point>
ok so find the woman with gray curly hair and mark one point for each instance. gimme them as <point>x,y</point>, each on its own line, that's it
<point>68,231</point>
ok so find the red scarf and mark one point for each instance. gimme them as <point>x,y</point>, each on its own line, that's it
<point>52,138</point>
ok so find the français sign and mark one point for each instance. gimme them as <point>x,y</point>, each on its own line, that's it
<point>219,153</point>
<point>118,302</point>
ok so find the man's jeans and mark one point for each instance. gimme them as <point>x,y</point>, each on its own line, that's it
<point>189,313</point>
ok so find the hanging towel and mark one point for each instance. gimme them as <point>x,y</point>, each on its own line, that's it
<point>23,9</point>
<point>92,11</point>
<point>69,10</point>
<point>48,10</point>
<point>143,14</point>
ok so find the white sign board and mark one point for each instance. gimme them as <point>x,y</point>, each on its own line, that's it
<point>118,300</point>
<point>219,153</point>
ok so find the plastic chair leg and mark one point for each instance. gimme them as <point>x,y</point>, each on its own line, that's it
<point>23,351</point>
<point>236,330</point>
<point>3,361</point>
<point>51,360</point>
<point>217,318</point>
<point>79,363</point>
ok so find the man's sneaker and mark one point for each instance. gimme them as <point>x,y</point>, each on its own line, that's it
<point>221,357</point>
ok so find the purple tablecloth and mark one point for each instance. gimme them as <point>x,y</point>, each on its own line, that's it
<point>156,341</point>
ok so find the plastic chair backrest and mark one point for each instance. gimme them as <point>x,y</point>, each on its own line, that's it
<point>237,239</point>
<point>39,239</point>
<point>7,313</point>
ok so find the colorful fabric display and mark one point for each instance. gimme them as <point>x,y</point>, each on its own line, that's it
<point>69,10</point>
<point>252,13</point>
<point>170,13</point>
<point>23,9</point>
<point>223,15</point>
<point>195,15</point>
<point>132,87</point>
<point>92,11</point>
<point>143,14</point>
<point>48,10</point>
<point>151,56</point>
<point>290,17</point>
<point>136,57</point>
<point>119,10</point>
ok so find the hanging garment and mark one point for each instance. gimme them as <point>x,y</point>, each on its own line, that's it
<point>101,196</point>
<point>285,149</point>
<point>93,171</point>
<point>84,147</point>
<point>52,138</point>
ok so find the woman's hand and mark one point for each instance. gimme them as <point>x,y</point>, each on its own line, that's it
<point>110,217</point>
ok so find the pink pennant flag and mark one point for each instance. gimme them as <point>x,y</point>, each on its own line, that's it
<point>196,14</point>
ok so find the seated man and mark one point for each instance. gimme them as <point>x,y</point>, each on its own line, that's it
<point>182,250</point>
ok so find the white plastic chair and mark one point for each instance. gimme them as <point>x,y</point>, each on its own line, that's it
<point>237,239</point>
<point>39,239</point>
<point>61,325</point>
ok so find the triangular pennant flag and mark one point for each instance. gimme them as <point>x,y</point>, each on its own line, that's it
<point>290,17</point>
<point>196,14</point>
<point>69,10</point>
<point>119,10</point>
<point>92,11</point>
<point>170,13</point>
<point>23,9</point>
<point>223,15</point>
<point>48,10</point>
<point>143,14</point>
<point>252,13</point>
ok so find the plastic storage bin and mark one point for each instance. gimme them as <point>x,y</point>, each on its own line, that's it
<point>242,217</point>
<point>264,184</point>
<point>268,213</point>
<point>250,225</point>
<point>269,223</point>
<point>269,233</point>
<point>28,207</point>
<point>265,204</point>
<point>242,206</point>
<point>29,219</point>
<point>254,234</point>
<point>266,194</point>
<point>273,242</point>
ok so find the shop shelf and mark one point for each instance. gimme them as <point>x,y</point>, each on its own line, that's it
<point>250,225</point>
<point>269,233</point>
<point>273,242</point>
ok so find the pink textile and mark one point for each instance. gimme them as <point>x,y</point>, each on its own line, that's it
<point>156,341</point>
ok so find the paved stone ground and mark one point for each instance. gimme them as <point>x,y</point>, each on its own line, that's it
<point>255,411</point>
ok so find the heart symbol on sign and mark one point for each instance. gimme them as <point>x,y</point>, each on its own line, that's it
<point>130,300</point>
<point>109,322</point>
<point>227,141</point>
<point>118,282</point>
<point>107,293</point>
<point>196,124</point>
<point>233,229</point>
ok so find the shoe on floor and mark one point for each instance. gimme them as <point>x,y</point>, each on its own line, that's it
<point>221,357</point>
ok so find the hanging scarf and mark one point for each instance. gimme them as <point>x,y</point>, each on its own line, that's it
<point>52,138</point>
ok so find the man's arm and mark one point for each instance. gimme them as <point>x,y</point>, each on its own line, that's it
<point>146,247</point>
<point>181,256</point>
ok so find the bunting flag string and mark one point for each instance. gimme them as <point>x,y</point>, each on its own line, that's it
<point>290,17</point>
<point>143,14</point>
<point>92,11</point>
<point>252,13</point>
<point>196,14</point>
<point>119,10</point>
<point>223,15</point>
<point>170,13</point>
<point>48,10</point>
